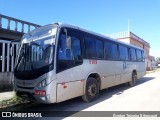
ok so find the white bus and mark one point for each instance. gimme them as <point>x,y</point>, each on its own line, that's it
<point>58,62</point>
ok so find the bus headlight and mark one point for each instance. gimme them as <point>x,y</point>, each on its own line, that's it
<point>42,84</point>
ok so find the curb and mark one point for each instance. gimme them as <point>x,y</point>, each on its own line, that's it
<point>6,95</point>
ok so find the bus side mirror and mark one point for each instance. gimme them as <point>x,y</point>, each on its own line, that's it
<point>65,31</point>
<point>68,39</point>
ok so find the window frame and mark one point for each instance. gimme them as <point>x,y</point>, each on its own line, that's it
<point>102,58</point>
<point>105,52</point>
<point>124,50</point>
<point>85,48</point>
<point>139,59</point>
<point>132,48</point>
<point>72,33</point>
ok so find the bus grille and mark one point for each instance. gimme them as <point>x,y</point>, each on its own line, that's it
<point>25,87</point>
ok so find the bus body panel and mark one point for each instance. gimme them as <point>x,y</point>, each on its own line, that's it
<point>28,83</point>
<point>69,90</point>
<point>109,77</point>
<point>50,89</point>
<point>126,73</point>
<point>69,83</point>
<point>141,69</point>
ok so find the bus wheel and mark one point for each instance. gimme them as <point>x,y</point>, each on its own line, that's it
<point>91,90</point>
<point>134,78</point>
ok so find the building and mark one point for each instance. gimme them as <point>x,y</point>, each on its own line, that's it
<point>131,38</point>
<point>153,62</point>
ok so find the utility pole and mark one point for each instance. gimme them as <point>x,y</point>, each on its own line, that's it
<point>128,25</point>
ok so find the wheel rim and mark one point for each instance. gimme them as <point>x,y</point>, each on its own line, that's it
<point>92,90</point>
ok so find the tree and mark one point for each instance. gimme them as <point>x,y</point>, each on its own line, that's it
<point>158,60</point>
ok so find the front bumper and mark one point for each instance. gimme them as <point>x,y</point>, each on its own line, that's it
<point>32,97</point>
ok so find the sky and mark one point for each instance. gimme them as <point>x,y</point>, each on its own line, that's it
<point>102,16</point>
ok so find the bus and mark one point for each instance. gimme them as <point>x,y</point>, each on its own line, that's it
<point>60,61</point>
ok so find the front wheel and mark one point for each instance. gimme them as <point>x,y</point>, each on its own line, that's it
<point>134,78</point>
<point>91,90</point>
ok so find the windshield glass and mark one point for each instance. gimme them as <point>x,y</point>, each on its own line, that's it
<point>36,49</point>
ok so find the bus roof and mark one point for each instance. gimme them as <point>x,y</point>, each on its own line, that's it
<point>94,33</point>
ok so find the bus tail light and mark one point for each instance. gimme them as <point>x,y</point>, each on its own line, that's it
<point>40,92</point>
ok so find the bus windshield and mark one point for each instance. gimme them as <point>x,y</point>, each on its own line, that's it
<point>36,49</point>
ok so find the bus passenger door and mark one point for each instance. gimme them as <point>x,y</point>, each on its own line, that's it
<point>69,83</point>
<point>126,71</point>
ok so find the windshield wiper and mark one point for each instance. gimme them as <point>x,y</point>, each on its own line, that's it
<point>25,54</point>
<point>19,59</point>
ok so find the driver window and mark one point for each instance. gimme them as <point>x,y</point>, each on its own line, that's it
<point>69,52</point>
<point>64,52</point>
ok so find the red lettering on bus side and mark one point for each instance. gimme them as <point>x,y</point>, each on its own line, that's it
<point>90,61</point>
<point>93,61</point>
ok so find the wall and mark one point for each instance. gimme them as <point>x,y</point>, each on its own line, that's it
<point>126,40</point>
<point>136,43</point>
<point>6,81</point>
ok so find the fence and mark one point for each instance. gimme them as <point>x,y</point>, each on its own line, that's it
<point>7,63</point>
<point>6,60</point>
<point>16,25</point>
<point>119,35</point>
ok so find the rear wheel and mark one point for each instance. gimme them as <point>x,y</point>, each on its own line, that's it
<point>91,90</point>
<point>134,78</point>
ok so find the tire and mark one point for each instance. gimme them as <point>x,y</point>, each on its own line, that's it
<point>134,79</point>
<point>91,90</point>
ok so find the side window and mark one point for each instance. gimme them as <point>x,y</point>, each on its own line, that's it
<point>114,52</point>
<point>108,50</point>
<point>139,55</point>
<point>126,53</point>
<point>76,48</point>
<point>111,51</point>
<point>99,49</point>
<point>143,57</point>
<point>123,52</point>
<point>90,51</point>
<point>69,51</point>
<point>64,49</point>
<point>133,54</point>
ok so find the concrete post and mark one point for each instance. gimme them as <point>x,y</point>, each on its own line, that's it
<point>16,25</point>
<point>8,27</point>
<point>22,30</point>
<point>0,22</point>
<point>3,57</point>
